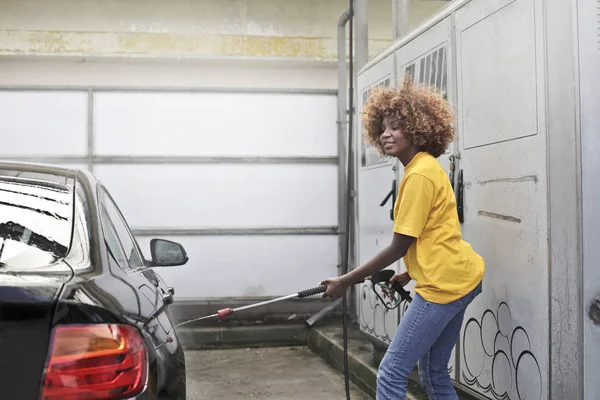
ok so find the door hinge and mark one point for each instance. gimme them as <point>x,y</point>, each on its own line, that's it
<point>594,312</point>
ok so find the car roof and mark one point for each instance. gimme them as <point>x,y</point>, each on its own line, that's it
<point>26,168</point>
<point>47,173</point>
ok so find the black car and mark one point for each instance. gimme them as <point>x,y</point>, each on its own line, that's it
<point>82,313</point>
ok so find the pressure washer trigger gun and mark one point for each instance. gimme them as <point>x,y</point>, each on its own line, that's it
<point>385,276</point>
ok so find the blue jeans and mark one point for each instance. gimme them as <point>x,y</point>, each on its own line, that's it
<point>426,334</point>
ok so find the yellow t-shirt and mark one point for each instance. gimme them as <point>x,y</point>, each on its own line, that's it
<point>444,266</point>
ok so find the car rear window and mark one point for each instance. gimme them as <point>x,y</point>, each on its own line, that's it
<point>36,218</point>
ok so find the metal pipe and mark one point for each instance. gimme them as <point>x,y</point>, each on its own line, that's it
<point>342,121</point>
<point>167,89</point>
<point>292,231</point>
<point>193,160</point>
<point>266,302</point>
<point>341,125</point>
<point>348,191</point>
<point>350,140</point>
<point>400,10</point>
<point>361,19</point>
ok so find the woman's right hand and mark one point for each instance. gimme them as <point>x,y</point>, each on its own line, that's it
<point>402,279</point>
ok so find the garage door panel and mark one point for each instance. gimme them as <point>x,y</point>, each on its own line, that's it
<point>223,196</point>
<point>215,124</point>
<point>249,265</point>
<point>43,123</point>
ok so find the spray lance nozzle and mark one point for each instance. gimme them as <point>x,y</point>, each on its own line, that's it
<point>226,312</point>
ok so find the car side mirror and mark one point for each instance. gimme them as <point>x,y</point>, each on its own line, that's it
<point>167,254</point>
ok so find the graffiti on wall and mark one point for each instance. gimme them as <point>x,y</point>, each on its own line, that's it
<point>376,318</point>
<point>498,357</point>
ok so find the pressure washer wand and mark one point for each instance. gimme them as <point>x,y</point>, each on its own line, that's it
<point>226,312</point>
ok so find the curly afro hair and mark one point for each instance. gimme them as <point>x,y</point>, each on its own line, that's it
<point>424,116</point>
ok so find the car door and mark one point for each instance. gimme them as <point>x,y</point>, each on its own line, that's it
<point>168,294</point>
<point>133,264</point>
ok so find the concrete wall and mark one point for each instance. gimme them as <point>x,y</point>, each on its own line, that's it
<point>266,29</point>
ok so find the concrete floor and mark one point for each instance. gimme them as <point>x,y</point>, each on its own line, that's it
<point>286,373</point>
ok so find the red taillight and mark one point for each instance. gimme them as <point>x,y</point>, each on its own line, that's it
<point>96,361</point>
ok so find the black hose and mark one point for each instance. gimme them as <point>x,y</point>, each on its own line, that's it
<point>345,323</point>
<point>349,185</point>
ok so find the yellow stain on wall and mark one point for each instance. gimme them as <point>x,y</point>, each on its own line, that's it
<point>276,46</point>
<point>155,44</point>
<point>167,44</point>
<point>57,42</point>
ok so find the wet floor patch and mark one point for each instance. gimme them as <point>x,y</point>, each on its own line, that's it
<point>290,373</point>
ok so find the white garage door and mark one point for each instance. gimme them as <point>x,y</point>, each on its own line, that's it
<point>246,181</point>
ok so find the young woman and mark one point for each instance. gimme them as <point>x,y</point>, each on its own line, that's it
<point>414,125</point>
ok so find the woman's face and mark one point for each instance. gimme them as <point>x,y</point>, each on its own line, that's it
<point>394,143</point>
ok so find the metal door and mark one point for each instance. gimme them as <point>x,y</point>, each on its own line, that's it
<point>589,60</point>
<point>501,118</point>
<point>428,60</point>
<point>376,179</point>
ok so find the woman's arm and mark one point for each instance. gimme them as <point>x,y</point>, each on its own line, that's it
<point>392,253</point>
<point>417,199</point>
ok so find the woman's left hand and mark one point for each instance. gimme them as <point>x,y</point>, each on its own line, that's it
<point>336,287</point>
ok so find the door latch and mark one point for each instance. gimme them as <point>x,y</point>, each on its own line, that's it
<point>391,194</point>
<point>460,197</point>
<point>452,168</point>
